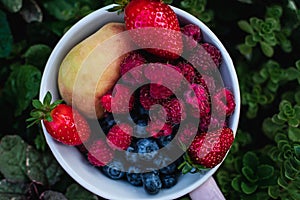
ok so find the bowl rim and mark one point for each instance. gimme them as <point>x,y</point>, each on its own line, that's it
<point>74,174</point>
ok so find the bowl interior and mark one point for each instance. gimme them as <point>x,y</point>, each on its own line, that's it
<point>70,158</point>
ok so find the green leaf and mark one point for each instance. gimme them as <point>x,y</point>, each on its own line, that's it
<point>37,55</point>
<point>236,183</point>
<point>250,160</point>
<point>265,171</point>
<point>245,26</point>
<point>274,191</point>
<point>76,192</point>
<point>12,5</point>
<point>22,86</point>
<point>16,191</point>
<point>52,195</point>
<point>266,49</point>
<point>245,50</point>
<point>249,174</point>
<point>6,38</point>
<point>294,134</point>
<point>297,150</point>
<point>13,158</point>
<point>289,171</point>
<point>62,10</point>
<point>248,188</point>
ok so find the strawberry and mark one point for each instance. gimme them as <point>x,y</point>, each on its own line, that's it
<point>119,136</point>
<point>208,149</point>
<point>61,121</point>
<point>156,27</point>
<point>100,154</point>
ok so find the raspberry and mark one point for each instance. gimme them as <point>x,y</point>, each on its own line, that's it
<point>193,36</point>
<point>186,135</point>
<point>116,100</point>
<point>146,99</point>
<point>119,136</point>
<point>205,58</point>
<point>164,74</point>
<point>224,102</point>
<point>199,101</point>
<point>106,101</point>
<point>129,74</point>
<point>214,52</point>
<point>175,110</point>
<point>188,71</point>
<point>99,154</point>
<point>158,91</point>
<point>158,129</point>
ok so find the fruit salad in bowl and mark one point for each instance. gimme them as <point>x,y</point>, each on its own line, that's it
<point>139,101</point>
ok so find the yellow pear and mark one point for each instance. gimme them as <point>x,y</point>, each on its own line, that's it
<point>92,67</point>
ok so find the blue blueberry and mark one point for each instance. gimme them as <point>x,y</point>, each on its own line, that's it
<point>151,182</point>
<point>114,170</point>
<point>131,154</point>
<point>147,148</point>
<point>163,141</point>
<point>165,164</point>
<point>134,176</point>
<point>107,122</point>
<point>168,181</point>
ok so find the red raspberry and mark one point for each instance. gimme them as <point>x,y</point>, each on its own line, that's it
<point>100,154</point>
<point>188,71</point>
<point>118,99</point>
<point>129,74</point>
<point>158,91</point>
<point>146,99</point>
<point>199,102</point>
<point>206,58</point>
<point>119,136</point>
<point>187,134</point>
<point>224,102</point>
<point>192,36</point>
<point>175,110</point>
<point>158,129</point>
<point>166,75</point>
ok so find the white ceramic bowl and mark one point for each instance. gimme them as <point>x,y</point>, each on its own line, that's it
<point>70,158</point>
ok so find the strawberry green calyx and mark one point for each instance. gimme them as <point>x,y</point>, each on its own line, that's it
<point>42,110</point>
<point>188,166</point>
<point>121,4</point>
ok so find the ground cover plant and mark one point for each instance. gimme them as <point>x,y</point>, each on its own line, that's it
<point>262,38</point>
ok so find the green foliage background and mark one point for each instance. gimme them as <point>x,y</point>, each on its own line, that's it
<point>263,38</point>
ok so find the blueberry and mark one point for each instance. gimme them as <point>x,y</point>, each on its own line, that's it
<point>131,154</point>
<point>168,181</point>
<point>134,176</point>
<point>147,148</point>
<point>107,122</point>
<point>165,164</point>
<point>163,141</point>
<point>114,170</point>
<point>151,182</point>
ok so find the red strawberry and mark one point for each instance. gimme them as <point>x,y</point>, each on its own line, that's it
<point>61,121</point>
<point>119,136</point>
<point>209,149</point>
<point>155,26</point>
<point>100,154</point>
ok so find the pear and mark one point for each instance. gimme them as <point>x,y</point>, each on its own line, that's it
<point>92,67</point>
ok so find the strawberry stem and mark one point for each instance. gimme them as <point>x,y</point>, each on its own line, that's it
<point>42,111</point>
